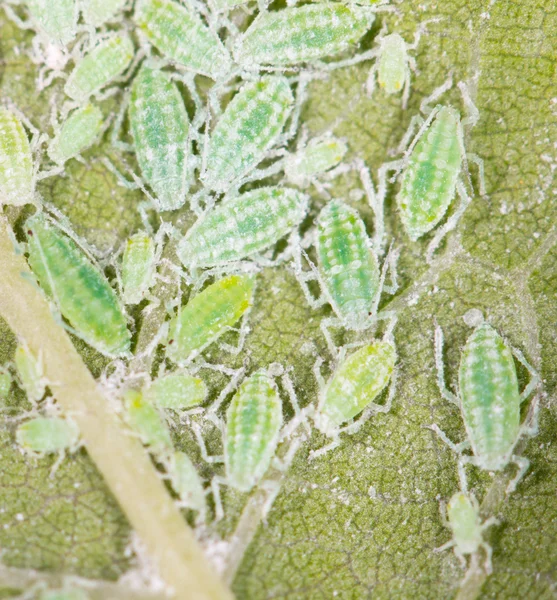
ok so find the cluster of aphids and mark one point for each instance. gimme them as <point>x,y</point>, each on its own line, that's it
<point>207,161</point>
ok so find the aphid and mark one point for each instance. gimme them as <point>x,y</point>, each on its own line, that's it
<point>248,128</point>
<point>17,179</point>
<point>348,271</point>
<point>108,59</point>
<point>302,34</point>
<point>208,315</point>
<point>432,169</point>
<point>186,483</point>
<point>179,34</point>
<point>176,391</point>
<point>242,226</point>
<point>463,519</point>
<point>79,288</point>
<point>138,267</point>
<point>489,401</point>
<point>30,372</point>
<point>98,12</point>
<point>5,382</point>
<point>160,127</point>
<point>78,132</point>
<point>148,423</point>
<point>67,593</point>
<point>46,435</point>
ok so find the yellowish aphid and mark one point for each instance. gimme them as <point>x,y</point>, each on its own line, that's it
<point>138,267</point>
<point>176,391</point>
<point>30,372</point>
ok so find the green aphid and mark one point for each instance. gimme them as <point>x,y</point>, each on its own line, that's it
<point>108,59</point>
<point>176,391</point>
<point>57,19</point>
<point>138,267</point>
<point>78,287</point>
<point>46,435</point>
<point>78,132</point>
<point>209,315</point>
<point>301,34</point>
<point>98,12</point>
<point>30,372</point>
<point>146,420</point>
<point>249,127</point>
<point>64,594</point>
<point>5,382</point>
<point>187,483</point>
<point>160,128</point>
<point>180,35</point>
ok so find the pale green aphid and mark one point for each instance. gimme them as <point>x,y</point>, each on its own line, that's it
<point>248,128</point>
<point>30,372</point>
<point>463,519</point>
<point>180,35</point>
<point>208,315</point>
<point>108,59</point>
<point>5,382</point>
<point>17,179</point>
<point>302,34</point>
<point>63,594</point>
<point>57,19</point>
<point>489,401</point>
<point>79,288</point>
<point>98,12</point>
<point>242,226</point>
<point>78,132</point>
<point>176,391</point>
<point>45,435</point>
<point>432,169</point>
<point>146,420</point>
<point>138,267</point>
<point>160,127</point>
<point>186,482</point>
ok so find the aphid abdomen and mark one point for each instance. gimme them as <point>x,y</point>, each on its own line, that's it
<point>16,162</point>
<point>355,384</point>
<point>392,68</point>
<point>47,434</point>
<point>429,179</point>
<point>108,59</point>
<point>490,399</point>
<point>160,127</point>
<point>465,525</point>
<point>186,481</point>
<point>138,267</point>
<point>82,292</point>
<point>208,315</point>
<point>243,226</point>
<point>98,12</point>
<point>248,128</point>
<point>300,34</point>
<point>253,423</point>
<point>180,35</point>
<point>147,422</point>
<point>176,392</point>
<point>348,267</point>
<point>57,18</point>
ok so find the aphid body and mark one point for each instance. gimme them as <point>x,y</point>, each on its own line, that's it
<point>45,435</point>
<point>138,267</point>
<point>30,372</point>
<point>242,226</point>
<point>302,34</point>
<point>103,63</point>
<point>5,382</point>
<point>179,34</point>
<point>176,391</point>
<point>148,423</point>
<point>78,132</point>
<point>186,482</point>
<point>160,127</point>
<point>98,12</point>
<point>64,594</point>
<point>17,181</point>
<point>208,315</point>
<point>57,19</point>
<point>247,129</point>
<point>80,290</point>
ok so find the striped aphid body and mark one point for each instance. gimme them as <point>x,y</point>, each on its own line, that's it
<point>186,482</point>
<point>79,288</point>
<point>302,34</point>
<point>30,372</point>
<point>57,19</point>
<point>108,59</point>
<point>77,133</point>
<point>98,12</point>
<point>208,315</point>
<point>176,391</point>
<point>180,35</point>
<point>242,226</point>
<point>250,125</point>
<point>17,179</point>
<point>138,267</point>
<point>160,128</point>
<point>46,435</point>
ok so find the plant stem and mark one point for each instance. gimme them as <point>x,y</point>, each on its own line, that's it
<point>119,456</point>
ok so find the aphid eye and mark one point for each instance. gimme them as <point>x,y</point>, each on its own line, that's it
<point>170,342</point>
<point>29,232</point>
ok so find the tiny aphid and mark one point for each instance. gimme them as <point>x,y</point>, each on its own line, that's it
<point>30,372</point>
<point>208,315</point>
<point>176,391</point>
<point>463,519</point>
<point>138,267</point>
<point>46,435</point>
<point>78,287</point>
<point>432,169</point>
<point>248,128</point>
<point>180,35</point>
<point>56,19</point>
<point>148,423</point>
<point>17,178</point>
<point>348,271</point>
<point>98,12</point>
<point>243,226</point>
<point>5,382</point>
<point>186,483</point>
<point>489,401</point>
<point>78,132</point>
<point>160,128</point>
<point>302,34</point>
<point>108,59</point>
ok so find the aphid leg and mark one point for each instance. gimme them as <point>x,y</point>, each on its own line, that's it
<point>488,554</point>
<point>117,127</point>
<point>203,447</point>
<point>522,463</point>
<point>440,367</point>
<point>348,62</point>
<point>130,185</point>
<point>215,489</point>
<point>325,449</point>
<point>472,110</point>
<point>406,90</point>
<point>304,276</point>
<point>435,95</point>
<point>371,81</point>
<point>376,205</point>
<point>384,169</point>
<point>242,334</point>
<point>299,416</point>
<point>272,488</point>
<point>301,96</point>
<point>451,222</point>
<point>57,463</point>
<point>13,16</point>
<point>535,379</point>
<point>235,375</point>
<point>200,111</point>
<point>460,556</point>
<point>444,547</point>
<point>456,448</point>
<point>325,325</point>
<point>481,171</point>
